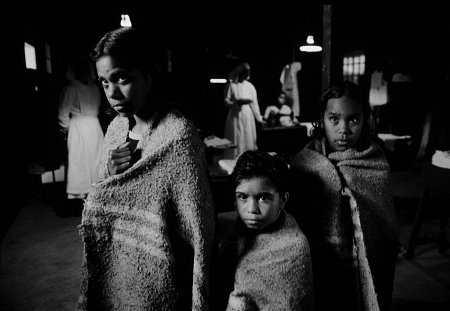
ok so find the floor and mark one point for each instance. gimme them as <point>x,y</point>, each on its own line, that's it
<point>41,258</point>
<point>423,282</point>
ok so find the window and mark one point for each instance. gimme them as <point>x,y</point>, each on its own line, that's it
<point>30,56</point>
<point>354,66</point>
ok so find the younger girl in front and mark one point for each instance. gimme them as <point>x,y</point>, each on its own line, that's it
<point>344,205</point>
<point>264,259</point>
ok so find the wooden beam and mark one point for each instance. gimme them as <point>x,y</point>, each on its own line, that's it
<point>327,45</point>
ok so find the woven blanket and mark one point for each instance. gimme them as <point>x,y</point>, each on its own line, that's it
<point>272,269</point>
<point>345,207</point>
<point>148,231</point>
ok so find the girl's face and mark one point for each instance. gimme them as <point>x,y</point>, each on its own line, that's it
<point>343,121</point>
<point>126,88</point>
<point>258,202</point>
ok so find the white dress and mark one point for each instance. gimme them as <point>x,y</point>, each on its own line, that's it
<point>240,126</point>
<point>78,112</point>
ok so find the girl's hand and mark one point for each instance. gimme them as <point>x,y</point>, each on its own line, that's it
<point>119,159</point>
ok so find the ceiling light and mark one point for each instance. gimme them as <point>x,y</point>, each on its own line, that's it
<point>310,46</point>
<point>218,80</point>
<point>125,20</point>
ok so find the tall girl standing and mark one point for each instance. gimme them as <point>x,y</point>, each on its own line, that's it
<point>148,225</point>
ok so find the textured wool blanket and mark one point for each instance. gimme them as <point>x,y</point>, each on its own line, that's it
<point>345,207</point>
<point>148,231</point>
<point>270,270</point>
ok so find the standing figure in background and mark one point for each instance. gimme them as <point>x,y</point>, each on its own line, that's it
<point>78,117</point>
<point>289,85</point>
<point>148,225</point>
<point>343,202</point>
<point>242,100</point>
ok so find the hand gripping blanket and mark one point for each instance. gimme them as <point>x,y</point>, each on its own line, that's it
<point>272,268</point>
<point>344,205</point>
<point>148,231</point>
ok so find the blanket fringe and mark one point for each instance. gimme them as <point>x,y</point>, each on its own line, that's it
<point>369,295</point>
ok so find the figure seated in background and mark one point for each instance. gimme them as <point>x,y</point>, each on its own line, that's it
<point>281,114</point>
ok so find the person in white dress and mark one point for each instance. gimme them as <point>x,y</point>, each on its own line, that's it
<point>242,100</point>
<point>78,117</point>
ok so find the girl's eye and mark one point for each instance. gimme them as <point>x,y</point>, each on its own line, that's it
<point>103,82</point>
<point>122,80</point>
<point>116,79</point>
<point>333,119</point>
<point>241,196</point>
<point>264,198</point>
<point>354,120</point>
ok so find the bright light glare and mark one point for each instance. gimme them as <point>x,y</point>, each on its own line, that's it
<point>30,56</point>
<point>217,80</point>
<point>125,20</point>
<point>310,48</point>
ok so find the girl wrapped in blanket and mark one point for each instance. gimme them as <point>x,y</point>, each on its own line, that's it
<point>342,201</point>
<point>263,259</point>
<point>147,226</point>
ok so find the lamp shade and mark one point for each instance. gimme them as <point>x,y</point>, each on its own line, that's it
<point>310,46</point>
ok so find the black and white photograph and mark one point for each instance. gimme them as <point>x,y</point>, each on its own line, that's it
<point>225,156</point>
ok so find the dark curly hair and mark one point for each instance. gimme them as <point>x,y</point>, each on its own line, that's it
<point>261,164</point>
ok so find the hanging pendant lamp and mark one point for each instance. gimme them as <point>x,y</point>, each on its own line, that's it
<point>310,46</point>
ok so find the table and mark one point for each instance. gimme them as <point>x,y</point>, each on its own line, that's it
<point>390,140</point>
<point>286,141</point>
<point>399,151</point>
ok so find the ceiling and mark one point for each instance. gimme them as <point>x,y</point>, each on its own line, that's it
<point>201,37</point>
<point>385,30</point>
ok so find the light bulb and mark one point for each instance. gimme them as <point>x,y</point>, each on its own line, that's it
<point>125,20</point>
<point>310,46</point>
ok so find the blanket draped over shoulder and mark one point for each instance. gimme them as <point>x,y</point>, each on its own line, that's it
<point>147,232</point>
<point>272,269</point>
<point>344,205</point>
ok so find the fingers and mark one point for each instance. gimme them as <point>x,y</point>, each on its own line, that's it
<point>124,145</point>
<point>122,149</point>
<point>120,154</point>
<point>114,169</point>
<point>119,159</point>
<point>122,167</point>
